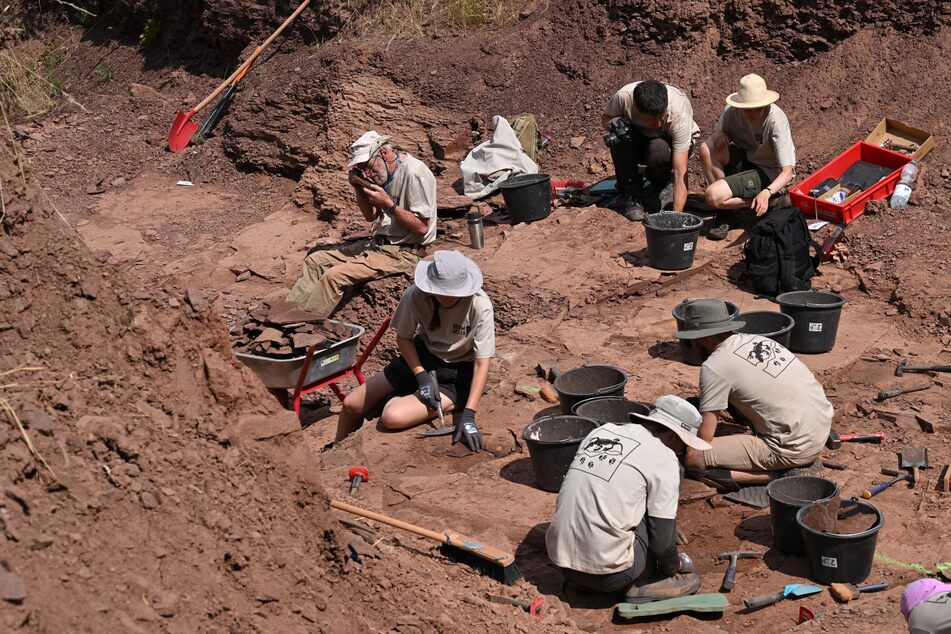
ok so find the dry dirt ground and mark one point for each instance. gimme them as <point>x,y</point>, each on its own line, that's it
<point>184,500</point>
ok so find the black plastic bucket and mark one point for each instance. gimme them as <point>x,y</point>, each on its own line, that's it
<point>817,319</point>
<point>552,443</point>
<point>691,356</point>
<point>609,409</point>
<point>768,323</point>
<point>786,497</point>
<point>527,197</point>
<point>672,239</point>
<point>835,558</point>
<point>587,382</point>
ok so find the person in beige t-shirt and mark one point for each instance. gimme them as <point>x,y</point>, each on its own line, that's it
<point>395,192</point>
<point>750,159</point>
<point>650,123</point>
<point>445,332</point>
<point>768,387</point>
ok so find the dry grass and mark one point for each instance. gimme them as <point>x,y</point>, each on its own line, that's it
<point>408,19</point>
<point>28,86</point>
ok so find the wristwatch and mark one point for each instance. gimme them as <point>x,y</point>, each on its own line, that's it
<point>769,190</point>
<point>391,209</point>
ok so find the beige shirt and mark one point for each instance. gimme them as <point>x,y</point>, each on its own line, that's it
<point>466,331</point>
<point>677,124</point>
<point>771,387</point>
<point>768,143</point>
<point>413,188</point>
<point>620,473</point>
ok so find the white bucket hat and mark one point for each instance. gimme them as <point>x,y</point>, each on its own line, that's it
<point>752,93</point>
<point>449,273</point>
<point>366,146</point>
<point>678,415</point>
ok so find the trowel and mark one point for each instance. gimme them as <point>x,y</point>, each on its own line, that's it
<point>791,590</point>
<point>914,459</point>
<point>443,429</point>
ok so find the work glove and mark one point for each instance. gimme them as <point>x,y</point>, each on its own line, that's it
<point>428,391</point>
<point>467,432</point>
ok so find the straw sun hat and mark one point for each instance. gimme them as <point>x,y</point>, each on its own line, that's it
<point>752,93</point>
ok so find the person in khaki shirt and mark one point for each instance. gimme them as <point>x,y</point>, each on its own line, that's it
<point>767,387</point>
<point>650,123</point>
<point>397,193</point>
<point>750,158</point>
<point>445,332</point>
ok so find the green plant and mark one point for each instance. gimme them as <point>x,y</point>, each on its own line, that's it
<point>103,73</point>
<point>150,32</point>
<point>51,60</point>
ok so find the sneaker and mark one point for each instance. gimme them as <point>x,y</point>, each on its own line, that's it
<point>659,587</point>
<point>633,210</point>
<point>719,232</point>
<point>814,469</point>
<point>720,479</point>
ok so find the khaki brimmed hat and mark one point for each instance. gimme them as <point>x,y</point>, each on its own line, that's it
<point>752,93</point>
<point>678,415</point>
<point>366,146</point>
<point>705,317</point>
<point>449,273</point>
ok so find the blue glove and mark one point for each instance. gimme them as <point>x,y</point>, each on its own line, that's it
<point>428,391</point>
<point>467,432</point>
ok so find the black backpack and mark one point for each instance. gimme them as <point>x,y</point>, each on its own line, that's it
<point>777,255</point>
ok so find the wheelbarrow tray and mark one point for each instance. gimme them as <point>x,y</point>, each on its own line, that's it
<point>283,373</point>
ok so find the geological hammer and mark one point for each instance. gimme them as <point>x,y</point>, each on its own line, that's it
<point>729,577</point>
<point>887,394</point>
<point>836,439</point>
<point>904,367</point>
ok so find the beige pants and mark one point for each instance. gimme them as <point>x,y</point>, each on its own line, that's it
<point>328,274</point>
<point>749,453</point>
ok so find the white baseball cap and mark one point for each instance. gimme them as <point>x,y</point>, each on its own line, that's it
<point>366,146</point>
<point>678,415</point>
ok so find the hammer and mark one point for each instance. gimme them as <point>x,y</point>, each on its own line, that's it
<point>729,578</point>
<point>904,367</point>
<point>835,439</point>
<point>887,394</point>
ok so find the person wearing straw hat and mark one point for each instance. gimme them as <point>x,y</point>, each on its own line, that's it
<point>395,192</point>
<point>768,387</point>
<point>926,606</point>
<point>615,529</point>
<point>750,158</point>
<point>444,323</point>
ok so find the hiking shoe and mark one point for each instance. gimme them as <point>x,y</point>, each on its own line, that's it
<point>633,210</point>
<point>720,479</point>
<point>814,469</point>
<point>660,587</point>
<point>720,228</point>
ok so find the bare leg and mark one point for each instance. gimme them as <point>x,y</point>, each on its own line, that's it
<point>719,196</point>
<point>407,411</point>
<point>358,402</point>
<point>713,161</point>
<point>752,477</point>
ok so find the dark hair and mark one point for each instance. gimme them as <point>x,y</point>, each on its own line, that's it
<point>651,97</point>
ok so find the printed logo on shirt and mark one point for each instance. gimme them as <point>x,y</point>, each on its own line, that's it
<point>767,355</point>
<point>601,455</point>
<point>461,329</point>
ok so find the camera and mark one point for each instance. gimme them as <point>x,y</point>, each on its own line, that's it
<point>618,132</point>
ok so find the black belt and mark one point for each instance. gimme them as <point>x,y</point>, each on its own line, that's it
<point>385,241</point>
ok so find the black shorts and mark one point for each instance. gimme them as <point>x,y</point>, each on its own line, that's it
<point>745,179</point>
<point>455,379</point>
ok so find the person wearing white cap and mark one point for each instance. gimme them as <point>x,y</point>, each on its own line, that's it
<point>397,193</point>
<point>445,325</point>
<point>615,528</point>
<point>750,158</point>
<point>768,388</point>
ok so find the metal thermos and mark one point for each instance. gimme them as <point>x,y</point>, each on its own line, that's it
<point>476,236</point>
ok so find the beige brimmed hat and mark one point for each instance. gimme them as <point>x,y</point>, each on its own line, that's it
<point>366,146</point>
<point>705,317</point>
<point>449,273</point>
<point>752,93</point>
<point>678,415</point>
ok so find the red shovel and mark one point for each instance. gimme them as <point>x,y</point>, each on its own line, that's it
<point>183,128</point>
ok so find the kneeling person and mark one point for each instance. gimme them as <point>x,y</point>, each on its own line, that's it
<point>766,385</point>
<point>444,323</point>
<point>615,528</point>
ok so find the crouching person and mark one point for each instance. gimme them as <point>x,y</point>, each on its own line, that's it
<point>444,323</point>
<point>615,528</point>
<point>768,388</point>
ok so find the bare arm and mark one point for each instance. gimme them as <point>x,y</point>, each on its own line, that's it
<point>680,180</point>
<point>377,196</point>
<point>407,348</point>
<point>606,121</point>
<point>366,207</point>
<point>480,375</point>
<point>761,202</point>
<point>708,427</point>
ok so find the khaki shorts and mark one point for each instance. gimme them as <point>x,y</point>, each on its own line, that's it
<point>745,452</point>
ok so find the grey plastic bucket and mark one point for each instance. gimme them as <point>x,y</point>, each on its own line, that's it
<point>768,323</point>
<point>837,558</point>
<point>691,355</point>
<point>672,239</point>
<point>817,319</point>
<point>610,409</point>
<point>786,497</point>
<point>552,444</point>
<point>527,197</point>
<point>588,381</point>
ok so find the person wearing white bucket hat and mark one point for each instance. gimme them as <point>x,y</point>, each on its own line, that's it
<point>749,160</point>
<point>445,332</point>
<point>615,529</point>
<point>397,193</point>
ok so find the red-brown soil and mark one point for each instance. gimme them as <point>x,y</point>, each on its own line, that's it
<point>189,502</point>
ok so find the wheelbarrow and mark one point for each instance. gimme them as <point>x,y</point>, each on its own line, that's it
<point>315,370</point>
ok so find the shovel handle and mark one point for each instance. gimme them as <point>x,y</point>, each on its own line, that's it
<point>763,600</point>
<point>247,63</point>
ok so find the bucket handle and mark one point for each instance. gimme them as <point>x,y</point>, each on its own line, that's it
<point>605,390</point>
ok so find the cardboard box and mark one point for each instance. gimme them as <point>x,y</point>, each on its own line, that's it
<point>903,134</point>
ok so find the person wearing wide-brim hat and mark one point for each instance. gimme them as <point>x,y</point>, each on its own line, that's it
<point>445,332</point>
<point>749,160</point>
<point>764,385</point>
<point>615,524</point>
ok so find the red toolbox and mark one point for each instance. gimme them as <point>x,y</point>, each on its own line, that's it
<point>853,206</point>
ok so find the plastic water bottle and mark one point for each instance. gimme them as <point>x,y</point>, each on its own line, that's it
<point>903,190</point>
